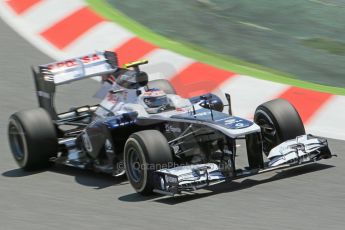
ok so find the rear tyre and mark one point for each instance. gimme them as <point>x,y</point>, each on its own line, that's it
<point>163,85</point>
<point>145,152</point>
<point>32,138</point>
<point>279,121</point>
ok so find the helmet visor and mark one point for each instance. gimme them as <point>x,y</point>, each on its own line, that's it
<point>154,102</point>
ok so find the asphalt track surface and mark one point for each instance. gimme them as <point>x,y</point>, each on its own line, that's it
<point>311,197</point>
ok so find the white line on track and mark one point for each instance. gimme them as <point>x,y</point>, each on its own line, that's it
<point>254,25</point>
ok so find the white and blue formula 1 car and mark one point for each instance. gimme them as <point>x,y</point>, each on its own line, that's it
<point>163,143</point>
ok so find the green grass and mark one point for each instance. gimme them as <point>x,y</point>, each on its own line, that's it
<point>203,55</point>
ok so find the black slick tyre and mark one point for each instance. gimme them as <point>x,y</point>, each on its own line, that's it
<point>32,138</point>
<point>145,152</point>
<point>279,122</point>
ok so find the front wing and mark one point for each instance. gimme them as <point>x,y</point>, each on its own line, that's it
<point>299,151</point>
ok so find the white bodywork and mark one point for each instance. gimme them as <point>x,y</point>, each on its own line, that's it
<point>74,69</point>
<point>126,100</point>
<point>303,149</point>
<point>297,150</point>
<point>192,173</point>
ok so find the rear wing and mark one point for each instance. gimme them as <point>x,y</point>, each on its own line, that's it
<point>62,72</point>
<point>96,64</point>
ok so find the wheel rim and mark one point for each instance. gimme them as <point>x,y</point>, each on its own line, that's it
<point>134,165</point>
<point>268,130</point>
<point>17,141</point>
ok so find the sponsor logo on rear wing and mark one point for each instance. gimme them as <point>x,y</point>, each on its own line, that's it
<point>96,64</point>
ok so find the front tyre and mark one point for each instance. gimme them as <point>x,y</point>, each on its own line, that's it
<point>32,138</point>
<point>279,122</point>
<point>145,152</point>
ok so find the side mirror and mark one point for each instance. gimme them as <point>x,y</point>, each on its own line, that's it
<point>228,98</point>
<point>211,101</point>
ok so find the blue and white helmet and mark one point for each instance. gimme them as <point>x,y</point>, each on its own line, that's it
<point>154,98</point>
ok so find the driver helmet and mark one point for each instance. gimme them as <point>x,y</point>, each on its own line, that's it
<point>154,98</point>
